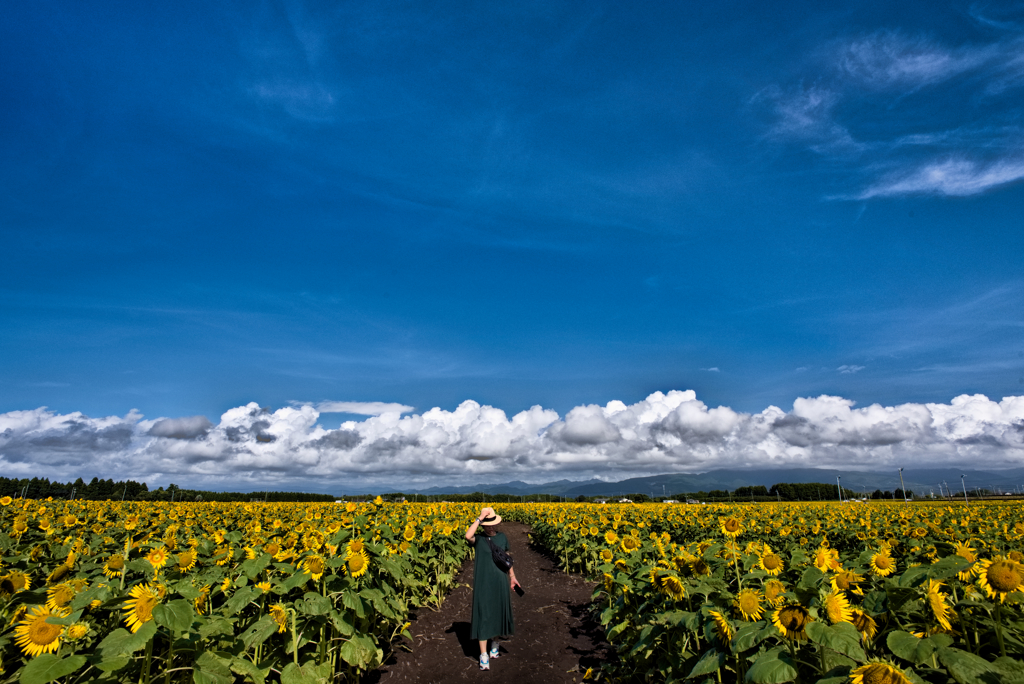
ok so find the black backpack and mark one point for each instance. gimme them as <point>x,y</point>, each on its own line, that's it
<point>501,557</point>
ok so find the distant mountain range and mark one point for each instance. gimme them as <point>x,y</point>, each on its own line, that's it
<point>920,481</point>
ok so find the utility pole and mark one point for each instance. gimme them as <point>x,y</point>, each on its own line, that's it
<point>903,487</point>
<point>965,489</point>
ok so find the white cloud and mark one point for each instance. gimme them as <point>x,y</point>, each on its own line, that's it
<point>956,177</point>
<point>849,370</point>
<point>713,369</point>
<point>362,408</point>
<point>892,60</point>
<point>252,447</point>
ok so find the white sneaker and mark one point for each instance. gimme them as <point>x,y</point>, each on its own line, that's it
<point>494,652</point>
<point>485,662</point>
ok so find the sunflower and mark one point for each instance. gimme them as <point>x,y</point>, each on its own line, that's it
<point>848,580</point>
<point>630,544</point>
<point>882,564</point>
<point>722,626</point>
<point>186,561</point>
<point>114,567</point>
<point>773,591</point>
<point>35,635</point>
<point>770,562</point>
<point>15,581</point>
<point>837,607</point>
<point>5,500</point>
<point>964,550</point>
<point>731,527</point>
<point>864,623</point>
<point>791,620</point>
<point>356,545</point>
<point>280,616</point>
<point>315,566</point>
<point>200,601</point>
<point>157,558</point>
<point>225,585</point>
<point>698,566</point>
<point>273,548</point>
<point>58,574</point>
<point>936,600</point>
<point>878,673</point>
<point>358,563</point>
<point>610,538</point>
<point>263,586</point>
<point>59,596</point>
<point>672,586</point>
<point>409,534</point>
<point>1000,577</point>
<point>748,602</point>
<point>76,631</point>
<point>139,609</point>
<point>609,583</point>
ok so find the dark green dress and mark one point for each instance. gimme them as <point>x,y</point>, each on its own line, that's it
<point>492,596</point>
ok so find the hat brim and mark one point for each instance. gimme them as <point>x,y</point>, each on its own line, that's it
<point>493,520</point>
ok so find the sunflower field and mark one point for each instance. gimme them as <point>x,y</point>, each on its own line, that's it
<point>216,592</point>
<point>865,593</point>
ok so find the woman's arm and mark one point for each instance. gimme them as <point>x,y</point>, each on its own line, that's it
<point>471,532</point>
<point>513,582</point>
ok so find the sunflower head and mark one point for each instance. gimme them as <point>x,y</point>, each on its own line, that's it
<point>76,631</point>
<point>836,607</point>
<point>280,615</point>
<point>673,586</point>
<point>864,623</point>
<point>773,591</point>
<point>748,603</point>
<point>358,563</point>
<point>59,596</point>
<point>1000,577</point>
<point>315,566</point>
<point>731,527</point>
<point>34,635</point>
<point>771,563</point>
<point>791,620</point>
<point>722,626</point>
<point>882,564</point>
<point>630,544</point>
<point>879,672</point>
<point>610,538</point>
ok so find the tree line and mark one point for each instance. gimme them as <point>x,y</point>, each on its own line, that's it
<point>129,490</point>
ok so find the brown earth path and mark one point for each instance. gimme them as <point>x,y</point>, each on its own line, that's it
<point>556,639</point>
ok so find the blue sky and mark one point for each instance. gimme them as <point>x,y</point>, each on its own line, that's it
<point>211,204</point>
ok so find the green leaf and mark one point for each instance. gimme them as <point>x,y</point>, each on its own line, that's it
<point>216,626</point>
<point>114,664</point>
<point>353,602</point>
<point>773,667</point>
<point>841,638</point>
<point>965,667</point>
<point>296,580</point>
<point>313,604</point>
<point>122,642</point>
<point>748,636</point>
<point>810,579</point>
<point>259,632</point>
<point>307,673</point>
<point>175,615</point>
<point>947,567</point>
<point>899,595</point>
<point>910,647</point>
<point>342,623</point>
<point>252,568</point>
<point>215,666</point>
<point>914,576</point>
<point>187,590</point>
<point>48,667</point>
<point>360,652</point>
<point>88,596</point>
<point>875,602</point>
<point>618,629</point>
<point>245,668</point>
<point>240,599</point>
<point>710,662</point>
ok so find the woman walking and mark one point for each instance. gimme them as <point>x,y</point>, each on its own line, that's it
<point>492,598</point>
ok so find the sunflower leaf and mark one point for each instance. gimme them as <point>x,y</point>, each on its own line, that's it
<point>842,638</point>
<point>947,567</point>
<point>967,668</point>
<point>240,599</point>
<point>175,615</point>
<point>774,667</point>
<point>910,647</point>
<point>710,662</point>
<point>48,667</point>
<point>360,652</point>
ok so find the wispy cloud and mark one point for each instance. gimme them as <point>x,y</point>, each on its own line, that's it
<point>850,370</point>
<point>847,111</point>
<point>955,177</point>
<point>892,60</point>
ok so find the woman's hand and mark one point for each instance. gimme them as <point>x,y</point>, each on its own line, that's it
<point>513,582</point>
<point>486,512</point>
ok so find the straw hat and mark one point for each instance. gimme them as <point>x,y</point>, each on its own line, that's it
<point>493,520</point>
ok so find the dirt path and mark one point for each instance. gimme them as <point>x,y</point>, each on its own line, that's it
<point>555,640</point>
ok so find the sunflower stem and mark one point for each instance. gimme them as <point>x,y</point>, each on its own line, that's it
<point>999,629</point>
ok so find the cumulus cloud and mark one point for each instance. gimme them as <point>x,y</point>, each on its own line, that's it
<point>362,408</point>
<point>254,447</point>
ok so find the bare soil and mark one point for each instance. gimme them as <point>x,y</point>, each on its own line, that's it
<point>556,637</point>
